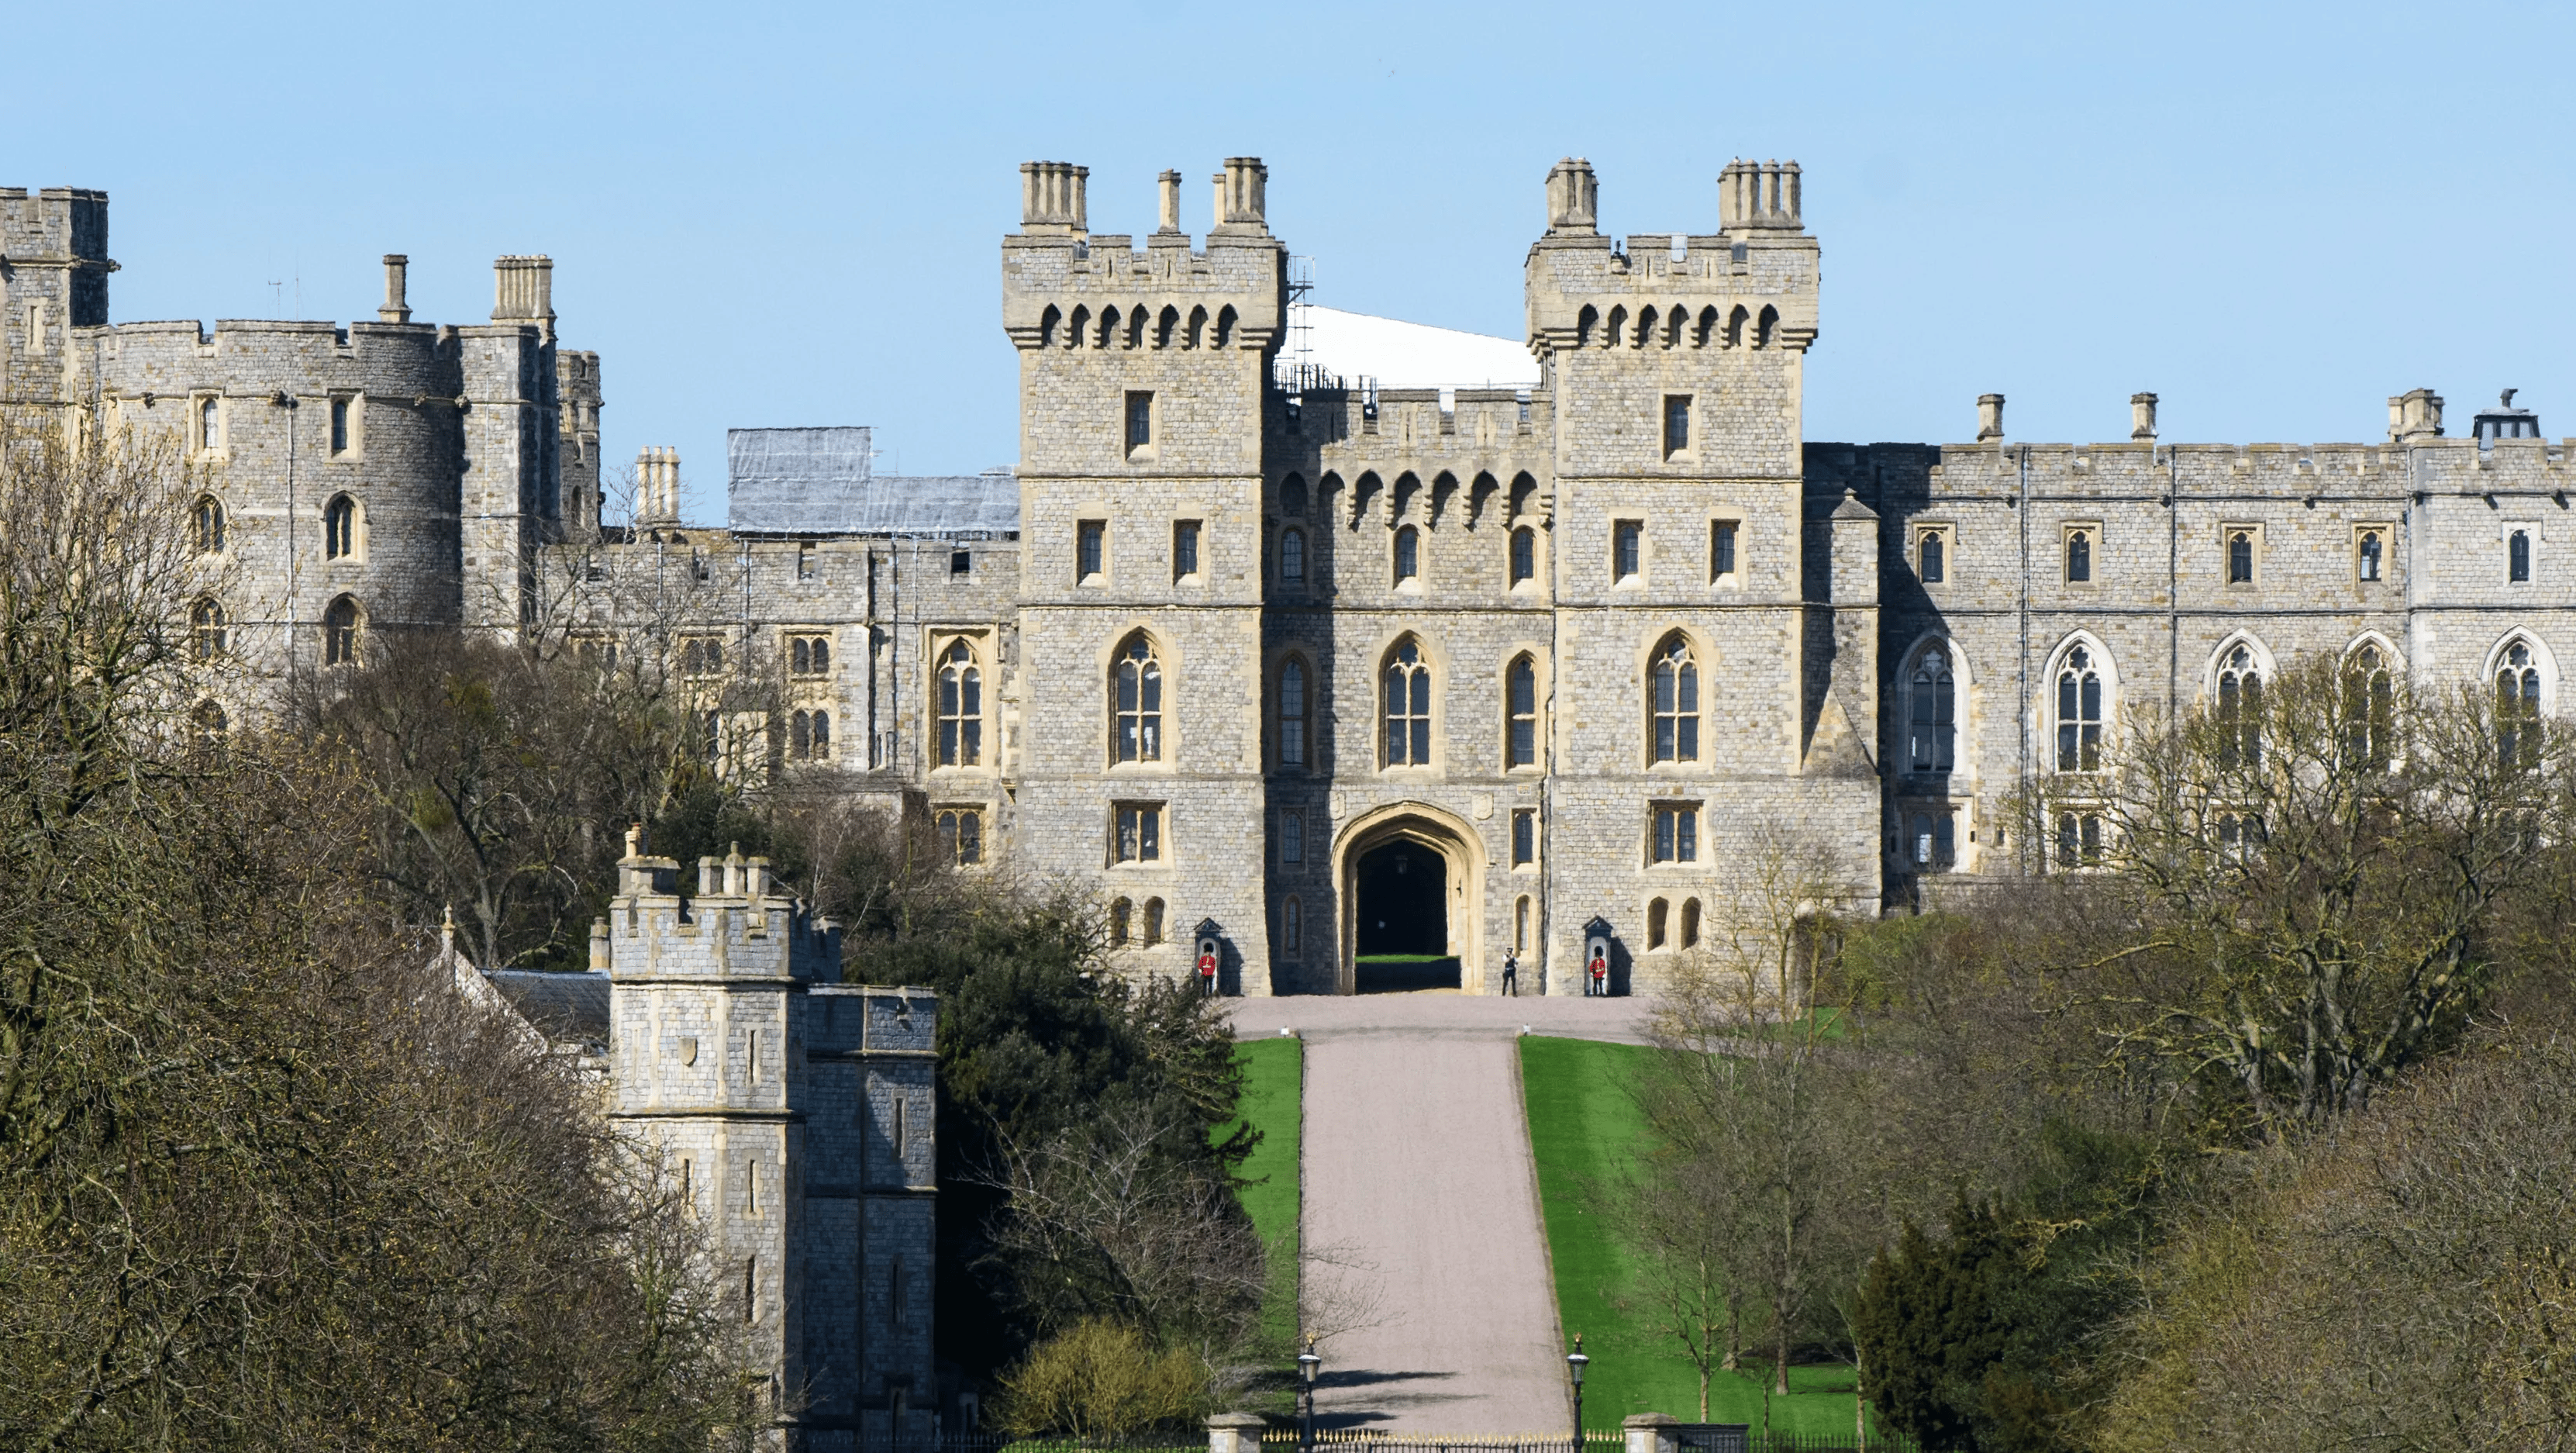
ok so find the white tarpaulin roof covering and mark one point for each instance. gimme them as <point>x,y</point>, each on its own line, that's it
<point>1413,355</point>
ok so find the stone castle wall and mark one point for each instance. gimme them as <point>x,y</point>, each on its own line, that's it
<point>474,454</point>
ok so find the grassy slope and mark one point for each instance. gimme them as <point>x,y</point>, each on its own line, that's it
<point>1584,1128</point>
<point>1274,1078</point>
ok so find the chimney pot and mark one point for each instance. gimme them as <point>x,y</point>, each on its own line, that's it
<point>2142,418</point>
<point>1169,184</point>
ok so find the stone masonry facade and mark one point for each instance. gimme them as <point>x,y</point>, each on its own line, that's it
<point>795,1114</point>
<point>1661,642</point>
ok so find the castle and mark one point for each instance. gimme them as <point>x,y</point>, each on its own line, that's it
<point>1311,671</point>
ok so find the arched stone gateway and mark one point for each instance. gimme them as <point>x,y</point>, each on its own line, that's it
<point>1412,901</point>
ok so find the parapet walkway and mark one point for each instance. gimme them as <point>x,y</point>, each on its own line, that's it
<point>1421,1199</point>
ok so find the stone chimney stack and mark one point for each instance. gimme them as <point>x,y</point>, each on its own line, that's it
<point>523,291</point>
<point>657,486</point>
<point>1242,195</point>
<point>1990,417</point>
<point>1052,197</point>
<point>397,308</point>
<point>1573,198</point>
<point>1170,183</point>
<point>2414,415</point>
<point>2142,418</point>
<point>1759,194</point>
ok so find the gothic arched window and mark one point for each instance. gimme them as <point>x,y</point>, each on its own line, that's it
<point>2079,713</point>
<point>2517,702</point>
<point>1673,703</point>
<point>2240,557</point>
<point>208,523</point>
<point>2240,710</point>
<point>1292,713</point>
<point>2373,551</point>
<point>340,633</point>
<point>2079,556</point>
<point>1935,712</point>
<point>1407,707</point>
<point>961,707</point>
<point>206,634</point>
<point>2369,708</point>
<point>1138,729</point>
<point>340,528</point>
<point>1520,701</point>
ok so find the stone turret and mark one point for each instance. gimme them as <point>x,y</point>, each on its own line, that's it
<point>795,1114</point>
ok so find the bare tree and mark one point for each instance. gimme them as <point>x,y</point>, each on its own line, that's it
<point>1754,1109</point>
<point>261,1183</point>
<point>2305,882</point>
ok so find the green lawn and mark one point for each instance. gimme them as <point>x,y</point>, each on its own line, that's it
<point>1274,1079</point>
<point>1584,1128</point>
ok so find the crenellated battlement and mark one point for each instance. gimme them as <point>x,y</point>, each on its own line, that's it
<point>1751,284</point>
<point>738,925</point>
<point>1064,286</point>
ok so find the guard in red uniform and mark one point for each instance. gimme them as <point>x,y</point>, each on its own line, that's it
<point>1207,975</point>
<point>1598,985</point>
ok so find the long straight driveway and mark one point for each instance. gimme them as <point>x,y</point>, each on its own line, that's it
<point>1418,1178</point>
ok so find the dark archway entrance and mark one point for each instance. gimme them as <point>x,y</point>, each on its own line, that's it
<point>1403,925</point>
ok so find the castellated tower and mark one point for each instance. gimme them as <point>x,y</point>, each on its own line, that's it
<point>512,489</point>
<point>795,1114</point>
<point>55,280</point>
<point>1143,375</point>
<point>577,387</point>
<point>1675,369</point>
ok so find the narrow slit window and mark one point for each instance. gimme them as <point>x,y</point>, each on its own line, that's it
<point>1089,537</point>
<point>1677,411</point>
<point>1721,549</point>
<point>1408,555</point>
<point>1627,549</point>
<point>1140,420</point>
<point>1292,714</point>
<point>1520,748</point>
<point>1524,836</point>
<point>1185,549</point>
<point>1524,562</point>
<point>2518,558</point>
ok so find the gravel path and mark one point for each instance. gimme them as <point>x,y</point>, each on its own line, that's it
<point>1418,1184</point>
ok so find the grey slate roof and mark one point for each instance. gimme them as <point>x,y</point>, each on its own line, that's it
<point>565,1008</point>
<point>820,482</point>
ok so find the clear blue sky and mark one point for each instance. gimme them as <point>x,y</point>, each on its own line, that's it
<point>2273,216</point>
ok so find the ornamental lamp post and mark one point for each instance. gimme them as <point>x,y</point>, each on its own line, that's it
<point>1308,1364</point>
<point>1575,1362</point>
